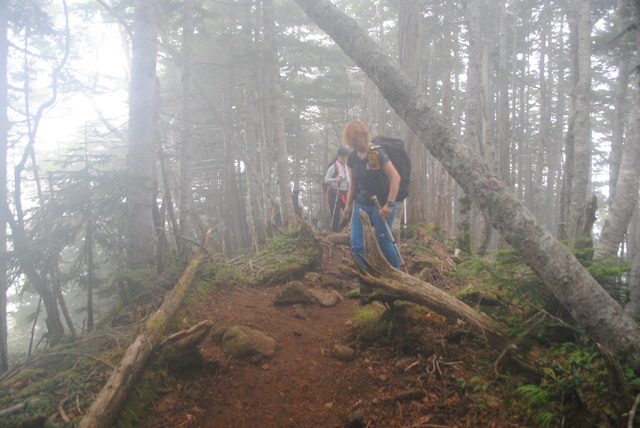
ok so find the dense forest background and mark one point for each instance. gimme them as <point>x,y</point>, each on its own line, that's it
<point>129,128</point>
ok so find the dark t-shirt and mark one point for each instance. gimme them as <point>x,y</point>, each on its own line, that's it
<point>370,178</point>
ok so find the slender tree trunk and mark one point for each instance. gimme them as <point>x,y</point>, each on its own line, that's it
<point>627,186</point>
<point>275,123</point>
<point>410,16</point>
<point>601,317</point>
<point>4,144</point>
<point>625,198</point>
<point>186,194</point>
<point>633,305</point>
<point>141,152</point>
<point>91,269</point>
<point>620,105</point>
<point>556,161</point>
<point>581,129</point>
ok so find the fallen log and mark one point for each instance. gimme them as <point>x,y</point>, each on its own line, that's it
<point>108,403</point>
<point>185,344</point>
<point>384,283</point>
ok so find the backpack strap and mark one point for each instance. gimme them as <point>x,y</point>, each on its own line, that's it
<point>373,158</point>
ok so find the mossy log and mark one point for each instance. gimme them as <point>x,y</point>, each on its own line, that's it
<point>107,405</point>
<point>384,283</point>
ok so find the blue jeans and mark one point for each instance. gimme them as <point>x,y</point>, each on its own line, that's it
<point>382,234</point>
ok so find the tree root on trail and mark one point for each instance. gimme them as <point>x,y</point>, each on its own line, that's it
<point>386,284</point>
<point>185,345</point>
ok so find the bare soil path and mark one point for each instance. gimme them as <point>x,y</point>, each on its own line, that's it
<point>303,384</point>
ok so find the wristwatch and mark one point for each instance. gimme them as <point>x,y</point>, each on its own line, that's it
<point>390,203</point>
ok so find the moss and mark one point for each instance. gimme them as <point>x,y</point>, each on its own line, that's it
<point>286,257</point>
<point>154,380</point>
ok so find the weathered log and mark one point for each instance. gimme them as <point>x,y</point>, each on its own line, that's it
<point>389,284</point>
<point>17,407</point>
<point>189,338</point>
<point>185,345</point>
<point>109,401</point>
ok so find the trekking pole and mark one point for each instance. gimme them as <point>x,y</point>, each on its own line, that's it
<point>378,207</point>
<point>335,205</point>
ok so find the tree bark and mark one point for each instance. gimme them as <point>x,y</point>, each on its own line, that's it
<point>601,317</point>
<point>410,46</point>
<point>4,145</point>
<point>141,152</point>
<point>107,405</point>
<point>276,134</point>
<point>627,185</point>
<point>389,284</point>
<point>186,158</point>
<point>580,11</point>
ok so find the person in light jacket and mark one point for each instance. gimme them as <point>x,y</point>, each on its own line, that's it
<point>338,179</point>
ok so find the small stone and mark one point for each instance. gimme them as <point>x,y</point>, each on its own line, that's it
<point>326,298</point>
<point>411,395</point>
<point>300,313</point>
<point>383,377</point>
<point>343,352</point>
<point>312,276</point>
<point>356,419</point>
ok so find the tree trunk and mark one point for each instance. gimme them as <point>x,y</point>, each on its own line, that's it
<point>627,185</point>
<point>275,125</point>
<point>389,284</point>
<point>141,152</point>
<point>620,103</point>
<point>186,158</point>
<point>602,318</point>
<point>633,305</point>
<point>581,129</point>
<point>4,144</point>
<point>410,14</point>
<point>107,405</point>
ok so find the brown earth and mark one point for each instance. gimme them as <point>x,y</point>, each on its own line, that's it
<point>428,382</point>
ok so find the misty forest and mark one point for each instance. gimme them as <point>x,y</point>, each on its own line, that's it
<point>147,144</point>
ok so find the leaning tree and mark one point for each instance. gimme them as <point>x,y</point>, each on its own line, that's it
<point>589,304</point>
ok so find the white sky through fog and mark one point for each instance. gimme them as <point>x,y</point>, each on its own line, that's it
<point>100,62</point>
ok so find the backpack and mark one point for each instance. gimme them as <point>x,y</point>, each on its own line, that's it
<point>394,148</point>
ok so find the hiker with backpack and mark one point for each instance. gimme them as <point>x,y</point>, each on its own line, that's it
<point>375,183</point>
<point>337,180</point>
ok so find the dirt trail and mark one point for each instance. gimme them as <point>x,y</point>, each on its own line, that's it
<point>303,385</point>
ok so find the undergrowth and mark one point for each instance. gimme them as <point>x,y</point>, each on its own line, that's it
<point>573,385</point>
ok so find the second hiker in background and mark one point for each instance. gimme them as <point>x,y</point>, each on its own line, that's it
<point>337,178</point>
<point>372,173</point>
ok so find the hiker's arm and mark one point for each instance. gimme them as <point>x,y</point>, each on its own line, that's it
<point>394,185</point>
<point>351,196</point>
<point>329,176</point>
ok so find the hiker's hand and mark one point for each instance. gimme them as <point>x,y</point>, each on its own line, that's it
<point>346,213</point>
<point>339,179</point>
<point>385,212</point>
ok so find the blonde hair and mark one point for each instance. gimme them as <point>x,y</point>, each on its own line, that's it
<point>351,130</point>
